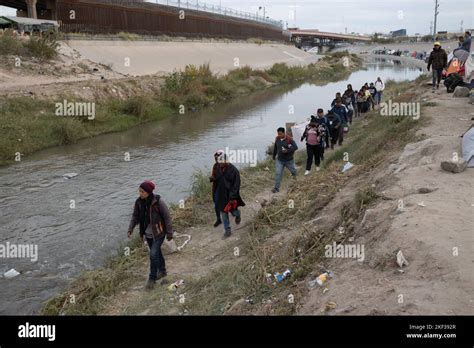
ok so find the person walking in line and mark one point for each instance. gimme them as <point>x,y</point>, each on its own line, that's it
<point>438,60</point>
<point>283,152</point>
<point>153,216</point>
<point>341,111</point>
<point>314,147</point>
<point>323,128</point>
<point>338,95</point>
<point>349,100</point>
<point>379,87</point>
<point>334,123</point>
<point>212,179</point>
<point>372,91</point>
<point>227,179</point>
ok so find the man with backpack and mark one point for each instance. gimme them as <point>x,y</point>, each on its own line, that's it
<point>438,60</point>
<point>153,216</point>
<point>227,191</point>
<point>334,123</point>
<point>348,98</point>
<point>341,111</point>
<point>283,151</point>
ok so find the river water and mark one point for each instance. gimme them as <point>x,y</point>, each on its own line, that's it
<point>35,198</point>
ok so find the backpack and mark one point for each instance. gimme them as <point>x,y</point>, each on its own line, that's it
<point>452,81</point>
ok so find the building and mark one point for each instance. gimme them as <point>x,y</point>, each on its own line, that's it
<point>399,33</point>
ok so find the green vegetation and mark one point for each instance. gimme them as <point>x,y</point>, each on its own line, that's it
<point>43,47</point>
<point>28,125</point>
<point>372,139</point>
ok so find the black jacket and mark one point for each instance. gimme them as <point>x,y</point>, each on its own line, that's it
<point>438,59</point>
<point>289,144</point>
<point>228,186</point>
<point>160,217</point>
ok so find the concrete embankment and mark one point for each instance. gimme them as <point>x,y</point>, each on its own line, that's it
<point>151,57</point>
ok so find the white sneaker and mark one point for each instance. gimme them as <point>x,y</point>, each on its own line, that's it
<point>318,169</point>
<point>306,172</point>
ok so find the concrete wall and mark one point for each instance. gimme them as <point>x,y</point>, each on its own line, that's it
<point>163,57</point>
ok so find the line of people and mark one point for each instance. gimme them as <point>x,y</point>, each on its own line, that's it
<point>324,131</point>
<point>153,217</point>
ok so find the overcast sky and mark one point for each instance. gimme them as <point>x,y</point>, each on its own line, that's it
<point>361,16</point>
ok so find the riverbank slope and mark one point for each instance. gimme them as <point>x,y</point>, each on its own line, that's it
<point>396,158</point>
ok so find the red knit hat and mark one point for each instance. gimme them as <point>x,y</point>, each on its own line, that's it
<point>147,186</point>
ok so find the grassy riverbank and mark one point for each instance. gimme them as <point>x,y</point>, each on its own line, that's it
<point>28,125</point>
<point>371,140</point>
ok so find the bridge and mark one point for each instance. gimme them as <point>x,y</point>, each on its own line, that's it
<point>315,38</point>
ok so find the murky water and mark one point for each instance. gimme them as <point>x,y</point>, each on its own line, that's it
<point>35,198</point>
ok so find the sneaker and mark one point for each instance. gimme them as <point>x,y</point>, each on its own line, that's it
<point>217,223</point>
<point>150,284</point>
<point>306,172</point>
<point>275,190</point>
<point>238,219</point>
<point>227,234</point>
<point>318,169</point>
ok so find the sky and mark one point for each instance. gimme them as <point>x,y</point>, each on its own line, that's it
<point>361,16</point>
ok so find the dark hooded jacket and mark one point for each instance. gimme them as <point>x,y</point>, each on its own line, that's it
<point>438,59</point>
<point>157,214</point>
<point>227,181</point>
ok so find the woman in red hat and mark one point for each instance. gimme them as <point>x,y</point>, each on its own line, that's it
<point>153,216</point>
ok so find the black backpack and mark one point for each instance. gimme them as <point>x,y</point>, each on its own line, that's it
<point>452,81</point>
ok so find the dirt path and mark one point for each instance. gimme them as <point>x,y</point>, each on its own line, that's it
<point>428,230</point>
<point>206,251</point>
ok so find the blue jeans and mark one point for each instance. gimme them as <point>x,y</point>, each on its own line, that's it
<point>225,218</point>
<point>279,165</point>
<point>378,97</point>
<point>157,261</point>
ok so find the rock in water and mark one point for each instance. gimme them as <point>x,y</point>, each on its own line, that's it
<point>461,92</point>
<point>454,166</point>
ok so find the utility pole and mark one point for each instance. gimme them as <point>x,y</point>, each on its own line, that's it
<point>462,27</point>
<point>431,27</point>
<point>435,18</point>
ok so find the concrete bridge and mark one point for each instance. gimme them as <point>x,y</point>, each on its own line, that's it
<point>323,40</point>
<point>44,9</point>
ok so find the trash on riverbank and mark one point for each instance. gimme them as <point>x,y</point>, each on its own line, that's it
<point>280,277</point>
<point>347,166</point>
<point>174,286</point>
<point>401,259</point>
<point>11,274</point>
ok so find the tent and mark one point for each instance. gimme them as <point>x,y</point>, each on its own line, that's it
<point>468,147</point>
<point>457,61</point>
<point>469,68</point>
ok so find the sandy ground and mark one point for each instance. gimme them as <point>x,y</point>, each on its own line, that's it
<point>438,280</point>
<point>89,68</point>
<point>144,57</point>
